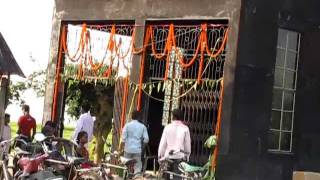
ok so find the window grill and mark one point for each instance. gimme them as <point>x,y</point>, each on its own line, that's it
<point>199,105</point>
<point>284,92</point>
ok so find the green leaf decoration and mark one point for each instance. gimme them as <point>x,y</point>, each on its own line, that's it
<point>195,86</point>
<point>150,89</point>
<point>164,86</point>
<point>211,141</point>
<point>159,86</point>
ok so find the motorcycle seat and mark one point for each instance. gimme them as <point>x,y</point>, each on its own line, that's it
<point>127,161</point>
<point>183,166</point>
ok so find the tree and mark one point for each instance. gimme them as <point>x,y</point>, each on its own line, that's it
<point>100,97</point>
<point>97,94</point>
<point>35,81</point>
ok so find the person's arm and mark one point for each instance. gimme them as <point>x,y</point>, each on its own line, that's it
<point>145,135</point>
<point>77,129</point>
<point>163,144</point>
<point>19,125</point>
<point>34,129</point>
<point>187,144</point>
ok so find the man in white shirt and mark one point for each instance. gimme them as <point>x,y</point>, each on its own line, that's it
<point>6,133</point>
<point>134,137</point>
<point>175,138</point>
<point>85,123</point>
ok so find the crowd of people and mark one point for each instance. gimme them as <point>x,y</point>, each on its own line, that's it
<point>175,136</point>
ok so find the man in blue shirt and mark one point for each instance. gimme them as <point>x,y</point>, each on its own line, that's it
<point>134,136</point>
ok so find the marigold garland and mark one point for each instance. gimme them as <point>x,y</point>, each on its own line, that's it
<point>217,128</point>
<point>83,53</point>
<point>57,76</point>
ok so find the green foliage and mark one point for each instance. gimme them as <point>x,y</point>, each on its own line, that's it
<point>79,92</point>
<point>35,81</point>
<point>15,92</point>
<point>210,143</point>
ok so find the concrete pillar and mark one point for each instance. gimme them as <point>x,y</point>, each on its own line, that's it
<point>3,92</point>
<point>51,69</point>
<point>134,77</point>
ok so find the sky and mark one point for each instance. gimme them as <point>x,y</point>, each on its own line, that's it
<point>26,27</point>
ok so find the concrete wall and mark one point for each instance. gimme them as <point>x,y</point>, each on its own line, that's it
<point>247,100</point>
<point>307,124</point>
<point>248,157</point>
<point>140,11</point>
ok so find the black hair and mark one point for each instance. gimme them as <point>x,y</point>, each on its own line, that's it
<point>6,115</point>
<point>136,115</point>
<point>26,108</point>
<point>177,114</point>
<point>80,135</point>
<point>51,124</point>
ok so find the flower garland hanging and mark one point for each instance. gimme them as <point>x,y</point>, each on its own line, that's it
<point>83,54</point>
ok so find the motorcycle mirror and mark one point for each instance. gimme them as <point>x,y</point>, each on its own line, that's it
<point>39,137</point>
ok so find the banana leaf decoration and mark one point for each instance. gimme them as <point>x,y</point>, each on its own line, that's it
<point>210,143</point>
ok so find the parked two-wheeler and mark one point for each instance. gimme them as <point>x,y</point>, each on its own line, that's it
<point>64,161</point>
<point>31,167</point>
<point>114,160</point>
<point>186,170</point>
<point>4,159</point>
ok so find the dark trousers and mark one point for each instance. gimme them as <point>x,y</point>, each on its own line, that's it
<point>174,168</point>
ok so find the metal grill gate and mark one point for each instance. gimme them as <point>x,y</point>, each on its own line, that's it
<point>199,105</point>
<point>124,28</point>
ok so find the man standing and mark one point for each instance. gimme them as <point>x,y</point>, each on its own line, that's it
<point>85,123</point>
<point>26,123</point>
<point>134,136</point>
<point>175,138</point>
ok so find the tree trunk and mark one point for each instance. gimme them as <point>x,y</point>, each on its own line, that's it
<point>102,127</point>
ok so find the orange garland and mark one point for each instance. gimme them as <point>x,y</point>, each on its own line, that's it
<point>143,56</point>
<point>111,47</point>
<point>85,52</point>
<point>80,46</point>
<point>124,102</point>
<point>57,77</point>
<point>217,129</point>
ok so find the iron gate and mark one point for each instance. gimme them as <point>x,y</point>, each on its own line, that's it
<point>199,105</point>
<point>124,29</point>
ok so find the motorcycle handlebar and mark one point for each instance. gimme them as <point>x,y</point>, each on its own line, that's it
<point>18,138</point>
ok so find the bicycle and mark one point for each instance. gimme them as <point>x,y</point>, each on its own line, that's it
<point>116,161</point>
<point>4,159</point>
<point>72,166</point>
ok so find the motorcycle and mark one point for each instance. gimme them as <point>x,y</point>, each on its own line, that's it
<point>186,170</point>
<point>63,160</point>
<point>30,167</point>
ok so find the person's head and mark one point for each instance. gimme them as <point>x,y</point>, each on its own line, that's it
<point>6,119</point>
<point>82,138</point>
<point>25,109</point>
<point>85,107</point>
<point>136,115</point>
<point>49,128</point>
<point>177,114</point>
